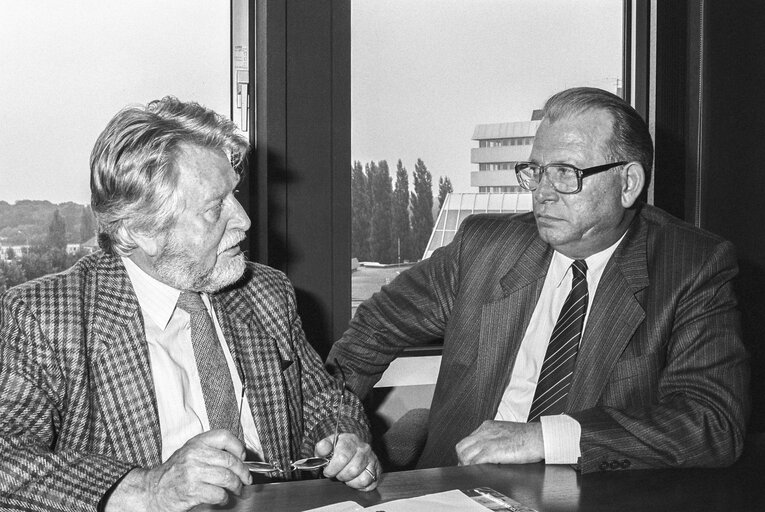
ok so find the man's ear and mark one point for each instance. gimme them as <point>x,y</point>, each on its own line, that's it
<point>149,245</point>
<point>633,181</point>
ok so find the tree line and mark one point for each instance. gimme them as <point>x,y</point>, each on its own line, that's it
<point>46,254</point>
<point>26,222</point>
<point>389,223</point>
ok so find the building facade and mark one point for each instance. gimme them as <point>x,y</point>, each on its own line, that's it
<point>500,147</point>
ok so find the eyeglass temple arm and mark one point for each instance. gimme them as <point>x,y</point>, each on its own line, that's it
<point>337,422</point>
<point>341,386</point>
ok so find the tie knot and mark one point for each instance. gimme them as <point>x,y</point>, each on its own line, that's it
<point>579,269</point>
<point>191,302</point>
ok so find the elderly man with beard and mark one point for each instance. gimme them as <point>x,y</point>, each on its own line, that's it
<point>143,377</point>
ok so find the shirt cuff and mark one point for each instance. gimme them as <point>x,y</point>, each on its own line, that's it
<point>561,435</point>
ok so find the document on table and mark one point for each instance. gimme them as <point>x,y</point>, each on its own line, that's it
<point>482,499</point>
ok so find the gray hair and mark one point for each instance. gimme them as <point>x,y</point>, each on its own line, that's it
<point>630,139</point>
<point>133,171</point>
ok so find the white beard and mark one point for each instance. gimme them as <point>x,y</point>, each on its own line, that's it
<point>182,271</point>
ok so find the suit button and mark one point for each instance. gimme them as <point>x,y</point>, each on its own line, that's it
<point>626,463</point>
<point>615,464</point>
<point>603,466</point>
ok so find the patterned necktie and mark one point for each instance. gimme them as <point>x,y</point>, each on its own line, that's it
<point>214,374</point>
<point>560,358</point>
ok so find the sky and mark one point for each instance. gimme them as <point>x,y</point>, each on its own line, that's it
<point>68,67</point>
<point>424,73</point>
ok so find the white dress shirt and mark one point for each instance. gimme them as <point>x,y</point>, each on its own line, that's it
<point>561,433</point>
<point>180,402</point>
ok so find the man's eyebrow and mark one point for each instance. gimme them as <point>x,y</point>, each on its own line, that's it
<point>214,197</point>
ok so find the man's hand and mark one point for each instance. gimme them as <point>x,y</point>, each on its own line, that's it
<point>502,442</point>
<point>204,470</point>
<point>353,462</point>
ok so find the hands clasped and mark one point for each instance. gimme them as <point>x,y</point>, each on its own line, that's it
<point>502,442</point>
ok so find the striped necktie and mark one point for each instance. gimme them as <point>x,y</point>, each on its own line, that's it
<point>214,374</point>
<point>560,358</point>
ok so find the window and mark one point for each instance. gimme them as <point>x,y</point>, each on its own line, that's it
<point>431,80</point>
<point>501,166</point>
<point>66,71</point>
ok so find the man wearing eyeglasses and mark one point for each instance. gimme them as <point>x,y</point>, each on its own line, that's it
<point>156,374</point>
<point>596,330</point>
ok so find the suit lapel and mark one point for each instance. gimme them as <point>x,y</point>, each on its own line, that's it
<point>257,351</point>
<point>504,322</point>
<point>615,315</point>
<point>121,367</point>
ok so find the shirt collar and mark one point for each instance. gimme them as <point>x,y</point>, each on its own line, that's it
<point>596,263</point>
<point>156,299</point>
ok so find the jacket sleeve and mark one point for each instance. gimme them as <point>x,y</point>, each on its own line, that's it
<point>35,473</point>
<point>320,392</point>
<point>698,414</point>
<point>413,310</point>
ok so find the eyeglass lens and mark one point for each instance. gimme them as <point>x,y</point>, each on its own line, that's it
<point>563,179</point>
<point>306,464</point>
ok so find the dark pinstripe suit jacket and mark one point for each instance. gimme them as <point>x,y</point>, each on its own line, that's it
<point>77,403</point>
<point>661,377</point>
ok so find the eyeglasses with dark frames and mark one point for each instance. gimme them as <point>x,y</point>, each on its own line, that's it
<point>564,178</point>
<point>309,463</point>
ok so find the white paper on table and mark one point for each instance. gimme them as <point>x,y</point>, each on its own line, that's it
<point>345,506</point>
<point>449,501</point>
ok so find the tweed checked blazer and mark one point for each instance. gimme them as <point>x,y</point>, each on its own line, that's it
<point>77,402</point>
<point>661,377</point>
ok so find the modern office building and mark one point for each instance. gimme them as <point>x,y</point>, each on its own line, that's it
<point>500,146</point>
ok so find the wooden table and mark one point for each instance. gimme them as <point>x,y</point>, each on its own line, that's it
<point>740,487</point>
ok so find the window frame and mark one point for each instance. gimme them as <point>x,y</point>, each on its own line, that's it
<point>298,191</point>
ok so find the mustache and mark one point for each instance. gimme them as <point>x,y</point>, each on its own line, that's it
<point>230,240</point>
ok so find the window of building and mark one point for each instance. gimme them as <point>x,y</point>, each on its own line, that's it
<point>511,189</point>
<point>66,71</point>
